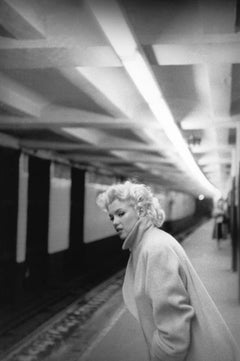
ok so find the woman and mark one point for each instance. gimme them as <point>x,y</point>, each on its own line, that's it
<point>161,289</point>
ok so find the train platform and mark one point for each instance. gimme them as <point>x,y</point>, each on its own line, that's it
<point>97,327</point>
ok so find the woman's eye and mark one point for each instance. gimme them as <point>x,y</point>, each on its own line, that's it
<point>121,214</point>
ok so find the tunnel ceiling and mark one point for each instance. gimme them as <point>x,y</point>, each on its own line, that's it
<point>75,85</point>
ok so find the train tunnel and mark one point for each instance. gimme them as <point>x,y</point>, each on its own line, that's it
<point>95,93</point>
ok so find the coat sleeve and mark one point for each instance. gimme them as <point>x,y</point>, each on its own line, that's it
<point>172,312</point>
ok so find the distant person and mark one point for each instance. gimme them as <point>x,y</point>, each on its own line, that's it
<point>161,289</point>
<point>219,215</point>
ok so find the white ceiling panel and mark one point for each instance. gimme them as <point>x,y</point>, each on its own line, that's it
<point>147,89</point>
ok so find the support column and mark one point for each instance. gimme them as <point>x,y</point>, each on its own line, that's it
<point>233,216</point>
<point>237,198</point>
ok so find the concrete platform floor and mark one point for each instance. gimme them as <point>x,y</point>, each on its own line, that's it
<point>121,339</point>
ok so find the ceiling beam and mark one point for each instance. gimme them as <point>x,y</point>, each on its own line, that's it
<point>212,148</point>
<point>213,160</point>
<point>27,54</point>
<point>201,53</point>
<point>68,117</point>
<point>116,87</point>
<point>31,54</point>
<point>97,138</point>
<point>89,158</point>
<point>111,144</point>
<point>20,98</point>
<point>191,124</point>
<point>148,159</point>
<point>92,86</point>
<point>21,19</point>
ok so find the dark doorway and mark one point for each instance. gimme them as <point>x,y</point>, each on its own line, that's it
<point>75,259</point>
<point>9,178</point>
<point>37,223</point>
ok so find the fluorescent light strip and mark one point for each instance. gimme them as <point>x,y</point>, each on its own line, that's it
<point>145,82</point>
<point>113,23</point>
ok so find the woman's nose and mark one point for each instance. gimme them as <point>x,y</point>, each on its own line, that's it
<point>115,221</point>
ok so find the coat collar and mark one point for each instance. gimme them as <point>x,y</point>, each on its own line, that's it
<point>136,234</point>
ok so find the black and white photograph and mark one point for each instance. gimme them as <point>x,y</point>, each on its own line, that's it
<point>119,180</point>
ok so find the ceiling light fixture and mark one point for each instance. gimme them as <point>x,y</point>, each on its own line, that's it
<point>146,84</point>
<point>112,20</point>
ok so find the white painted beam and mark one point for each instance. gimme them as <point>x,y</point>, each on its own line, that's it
<point>93,89</point>
<point>43,53</point>
<point>211,159</point>
<point>93,137</point>
<point>111,144</point>
<point>17,97</point>
<point>29,54</point>
<point>73,119</point>
<point>95,158</point>
<point>202,53</point>
<point>21,19</point>
<point>212,148</point>
<point>189,124</point>
<point>117,87</point>
<point>144,157</point>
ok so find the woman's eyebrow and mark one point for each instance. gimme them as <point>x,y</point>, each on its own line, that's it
<point>116,211</point>
<point>119,209</point>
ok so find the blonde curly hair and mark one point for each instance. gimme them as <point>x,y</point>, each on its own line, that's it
<point>139,196</point>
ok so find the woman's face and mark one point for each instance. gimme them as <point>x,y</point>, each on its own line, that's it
<point>123,217</point>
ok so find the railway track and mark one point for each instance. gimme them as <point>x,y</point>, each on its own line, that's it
<point>40,313</point>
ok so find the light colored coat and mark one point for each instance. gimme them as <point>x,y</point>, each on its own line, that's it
<point>161,289</point>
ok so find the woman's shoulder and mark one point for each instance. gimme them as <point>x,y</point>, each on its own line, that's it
<point>159,233</point>
<point>158,240</point>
